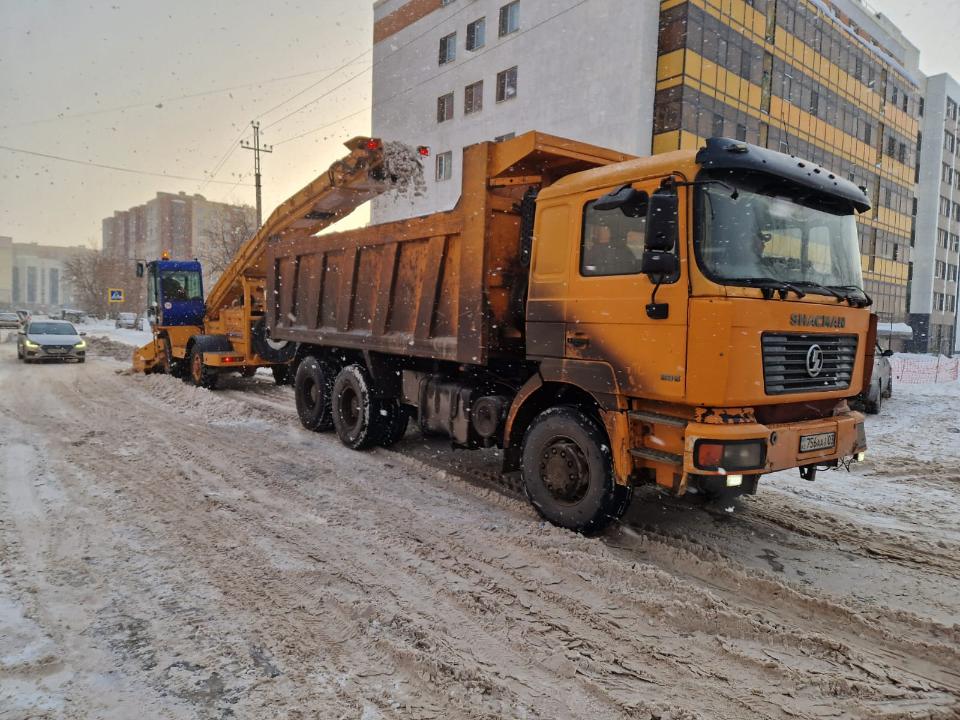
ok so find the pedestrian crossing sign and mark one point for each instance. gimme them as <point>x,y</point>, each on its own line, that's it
<point>116,295</point>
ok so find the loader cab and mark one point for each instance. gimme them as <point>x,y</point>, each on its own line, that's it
<point>175,293</point>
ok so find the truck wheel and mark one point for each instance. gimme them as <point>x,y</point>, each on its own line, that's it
<point>201,374</point>
<point>281,374</point>
<point>312,389</point>
<point>279,351</point>
<point>397,418</point>
<point>356,412</point>
<point>567,471</point>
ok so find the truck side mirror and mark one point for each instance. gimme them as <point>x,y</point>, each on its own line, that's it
<point>140,269</point>
<point>626,199</point>
<point>662,220</point>
<point>659,263</point>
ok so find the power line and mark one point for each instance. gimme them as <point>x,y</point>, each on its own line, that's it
<point>154,104</point>
<point>510,38</point>
<point>313,85</point>
<point>354,77</point>
<point>49,156</point>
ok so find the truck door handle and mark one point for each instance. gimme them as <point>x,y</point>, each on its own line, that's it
<point>578,340</point>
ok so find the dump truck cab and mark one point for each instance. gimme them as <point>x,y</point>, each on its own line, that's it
<point>712,306</point>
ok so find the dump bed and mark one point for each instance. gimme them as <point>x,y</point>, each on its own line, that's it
<point>449,286</point>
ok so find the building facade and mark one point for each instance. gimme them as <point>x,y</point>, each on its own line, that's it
<point>936,256</point>
<point>34,277</point>
<point>185,226</point>
<point>833,82</point>
<point>450,74</point>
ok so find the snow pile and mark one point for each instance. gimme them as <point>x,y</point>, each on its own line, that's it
<point>402,164</point>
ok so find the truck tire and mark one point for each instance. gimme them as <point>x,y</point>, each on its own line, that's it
<point>356,411</point>
<point>312,389</point>
<point>201,375</point>
<point>567,471</point>
<point>279,351</point>
<point>397,418</point>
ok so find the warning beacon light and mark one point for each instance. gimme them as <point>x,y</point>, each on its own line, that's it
<point>373,144</point>
<point>423,150</point>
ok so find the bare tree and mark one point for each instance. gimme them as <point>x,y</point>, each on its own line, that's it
<point>225,231</point>
<point>92,274</point>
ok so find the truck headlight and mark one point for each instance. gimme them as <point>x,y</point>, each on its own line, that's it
<point>733,455</point>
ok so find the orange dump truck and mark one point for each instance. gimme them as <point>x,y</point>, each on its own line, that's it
<point>692,319</point>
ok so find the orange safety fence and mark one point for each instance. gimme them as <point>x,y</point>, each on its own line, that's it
<point>922,369</point>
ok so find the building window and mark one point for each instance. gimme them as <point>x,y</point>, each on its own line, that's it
<point>891,145</point>
<point>951,109</point>
<point>477,34</point>
<point>31,285</point>
<point>867,133</point>
<point>445,108</point>
<point>814,103</point>
<point>473,98</point>
<point>446,2</point>
<point>53,290</point>
<point>448,48</point>
<point>16,284</point>
<point>510,18</point>
<point>507,84</point>
<point>742,133</point>
<point>504,138</point>
<point>444,166</point>
<point>902,153</point>
<point>948,141</point>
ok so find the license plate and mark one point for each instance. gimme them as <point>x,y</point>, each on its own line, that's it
<point>820,441</point>
<point>56,351</point>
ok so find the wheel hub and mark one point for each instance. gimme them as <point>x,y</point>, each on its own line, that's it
<point>564,470</point>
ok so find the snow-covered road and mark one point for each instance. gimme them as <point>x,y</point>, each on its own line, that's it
<point>168,552</point>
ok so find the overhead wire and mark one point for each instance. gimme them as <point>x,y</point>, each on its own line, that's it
<point>51,156</point>
<point>508,39</point>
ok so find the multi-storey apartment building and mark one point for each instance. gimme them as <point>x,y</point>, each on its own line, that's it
<point>35,277</point>
<point>833,82</point>
<point>936,255</point>
<point>186,226</point>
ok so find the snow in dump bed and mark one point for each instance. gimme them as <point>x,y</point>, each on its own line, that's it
<point>402,164</point>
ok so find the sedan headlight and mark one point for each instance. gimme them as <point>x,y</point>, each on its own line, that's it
<point>31,344</point>
<point>82,345</point>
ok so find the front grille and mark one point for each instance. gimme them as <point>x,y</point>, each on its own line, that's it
<point>789,365</point>
<point>58,349</point>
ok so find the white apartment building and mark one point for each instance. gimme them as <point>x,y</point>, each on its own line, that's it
<point>34,277</point>
<point>451,73</point>
<point>936,252</point>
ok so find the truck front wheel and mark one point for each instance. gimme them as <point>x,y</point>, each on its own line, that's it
<point>568,471</point>
<point>312,389</point>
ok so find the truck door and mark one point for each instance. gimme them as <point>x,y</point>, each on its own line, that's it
<point>606,317</point>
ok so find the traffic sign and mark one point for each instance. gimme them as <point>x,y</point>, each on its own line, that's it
<point>116,295</point>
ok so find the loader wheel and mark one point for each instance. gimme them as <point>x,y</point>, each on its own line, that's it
<point>282,374</point>
<point>172,366</point>
<point>312,389</point>
<point>357,413</point>
<point>397,418</point>
<point>568,471</point>
<point>201,375</point>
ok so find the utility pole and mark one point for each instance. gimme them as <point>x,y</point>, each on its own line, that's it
<point>257,149</point>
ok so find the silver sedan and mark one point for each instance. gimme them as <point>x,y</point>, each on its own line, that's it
<point>50,340</point>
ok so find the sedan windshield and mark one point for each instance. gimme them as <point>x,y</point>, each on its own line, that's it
<point>764,231</point>
<point>50,328</point>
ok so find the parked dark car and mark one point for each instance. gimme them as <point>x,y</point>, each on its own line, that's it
<point>50,340</point>
<point>9,320</point>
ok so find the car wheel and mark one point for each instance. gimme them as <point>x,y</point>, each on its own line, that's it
<point>873,404</point>
<point>356,410</point>
<point>81,360</point>
<point>312,390</point>
<point>567,471</point>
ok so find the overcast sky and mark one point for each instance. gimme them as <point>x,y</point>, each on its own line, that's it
<point>68,67</point>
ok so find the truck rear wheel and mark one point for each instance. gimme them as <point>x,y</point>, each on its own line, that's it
<point>312,389</point>
<point>281,374</point>
<point>397,418</point>
<point>356,411</point>
<point>568,471</point>
<point>201,375</point>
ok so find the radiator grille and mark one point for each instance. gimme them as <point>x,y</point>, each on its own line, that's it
<point>807,363</point>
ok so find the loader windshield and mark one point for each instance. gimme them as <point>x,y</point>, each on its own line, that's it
<point>759,229</point>
<point>180,285</point>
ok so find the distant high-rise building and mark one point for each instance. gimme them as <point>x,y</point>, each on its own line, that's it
<point>185,226</point>
<point>936,255</point>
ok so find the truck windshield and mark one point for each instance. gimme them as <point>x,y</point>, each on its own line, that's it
<point>180,285</point>
<point>771,232</point>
